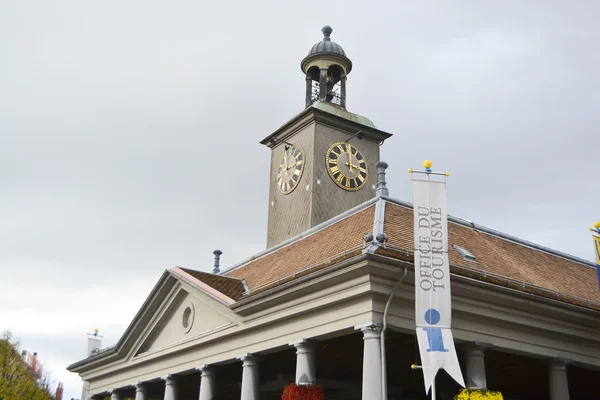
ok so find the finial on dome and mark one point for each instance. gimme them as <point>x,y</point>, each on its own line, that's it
<point>326,33</point>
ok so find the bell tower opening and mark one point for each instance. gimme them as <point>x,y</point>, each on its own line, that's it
<point>326,68</point>
<point>334,77</point>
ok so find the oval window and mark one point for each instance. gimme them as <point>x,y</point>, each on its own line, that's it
<point>187,318</point>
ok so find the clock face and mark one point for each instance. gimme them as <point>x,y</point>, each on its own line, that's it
<point>346,166</point>
<point>290,169</point>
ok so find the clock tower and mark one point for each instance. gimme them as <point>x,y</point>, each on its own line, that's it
<point>323,159</point>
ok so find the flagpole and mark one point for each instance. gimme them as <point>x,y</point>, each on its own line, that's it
<point>433,392</point>
<point>596,235</point>
<point>427,166</point>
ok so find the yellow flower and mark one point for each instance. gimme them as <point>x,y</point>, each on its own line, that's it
<point>475,394</point>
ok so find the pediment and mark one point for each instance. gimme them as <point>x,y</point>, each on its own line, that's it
<point>187,314</point>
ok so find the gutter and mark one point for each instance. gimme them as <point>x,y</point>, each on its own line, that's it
<point>294,282</point>
<point>384,388</point>
<point>497,288</point>
<point>525,295</point>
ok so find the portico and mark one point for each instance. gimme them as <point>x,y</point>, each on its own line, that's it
<point>339,368</point>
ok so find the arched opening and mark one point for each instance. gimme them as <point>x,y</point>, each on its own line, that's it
<point>313,72</point>
<point>326,85</point>
<point>312,85</point>
<point>334,89</point>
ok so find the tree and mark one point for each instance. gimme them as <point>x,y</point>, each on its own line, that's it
<point>17,380</point>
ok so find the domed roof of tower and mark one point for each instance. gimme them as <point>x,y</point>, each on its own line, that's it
<point>326,49</point>
<point>326,45</point>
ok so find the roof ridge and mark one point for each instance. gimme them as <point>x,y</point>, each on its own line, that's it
<point>305,234</point>
<point>500,235</point>
<point>208,273</point>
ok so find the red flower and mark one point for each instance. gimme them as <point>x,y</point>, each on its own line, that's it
<point>295,392</point>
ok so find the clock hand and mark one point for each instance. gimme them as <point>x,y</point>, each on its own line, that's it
<point>359,168</point>
<point>356,167</point>
<point>291,166</point>
<point>349,163</point>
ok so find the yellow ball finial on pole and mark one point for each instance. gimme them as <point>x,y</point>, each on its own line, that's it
<point>427,164</point>
<point>96,330</point>
<point>597,224</point>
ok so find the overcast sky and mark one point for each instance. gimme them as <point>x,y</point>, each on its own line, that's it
<point>123,125</point>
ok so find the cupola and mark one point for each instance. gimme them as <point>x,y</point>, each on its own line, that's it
<point>326,67</point>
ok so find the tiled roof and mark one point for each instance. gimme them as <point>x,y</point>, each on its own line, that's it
<point>499,261</point>
<point>504,262</point>
<point>233,288</point>
<point>327,244</point>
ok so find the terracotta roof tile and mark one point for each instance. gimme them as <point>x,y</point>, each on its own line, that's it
<point>326,244</point>
<point>499,261</point>
<point>555,276</point>
<point>233,288</point>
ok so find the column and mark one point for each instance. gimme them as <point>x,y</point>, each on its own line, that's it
<point>116,395</point>
<point>306,371</point>
<point>207,382</point>
<point>475,357</point>
<point>170,388</point>
<point>308,89</point>
<point>140,391</point>
<point>343,91</point>
<point>559,385</point>
<point>371,380</point>
<point>250,377</point>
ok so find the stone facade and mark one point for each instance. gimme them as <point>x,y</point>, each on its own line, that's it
<point>328,199</point>
<point>317,198</point>
<point>289,214</point>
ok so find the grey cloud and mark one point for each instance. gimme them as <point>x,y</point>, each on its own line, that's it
<point>129,131</point>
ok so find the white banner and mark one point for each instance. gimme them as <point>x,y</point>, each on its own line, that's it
<point>433,309</point>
